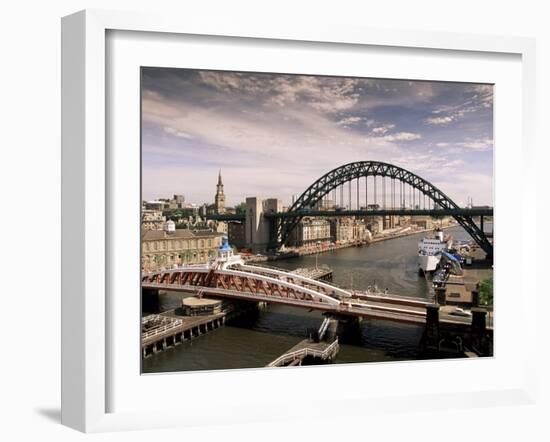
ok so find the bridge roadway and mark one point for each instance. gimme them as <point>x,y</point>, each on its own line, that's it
<point>475,212</point>
<point>262,284</point>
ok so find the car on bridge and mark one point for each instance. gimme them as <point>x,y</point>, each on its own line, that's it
<point>457,311</point>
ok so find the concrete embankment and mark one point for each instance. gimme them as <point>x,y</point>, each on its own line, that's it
<point>330,248</point>
<point>407,233</point>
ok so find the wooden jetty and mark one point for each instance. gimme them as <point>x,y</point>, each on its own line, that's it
<point>321,273</point>
<point>169,329</point>
<point>320,351</point>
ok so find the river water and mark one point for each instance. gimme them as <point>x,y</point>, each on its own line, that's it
<point>257,339</point>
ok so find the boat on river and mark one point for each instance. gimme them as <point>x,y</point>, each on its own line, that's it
<point>430,249</point>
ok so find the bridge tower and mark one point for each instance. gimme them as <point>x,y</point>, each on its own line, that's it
<point>258,228</point>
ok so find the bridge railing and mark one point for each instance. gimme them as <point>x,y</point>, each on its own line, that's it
<point>280,269</point>
<point>303,353</point>
<point>175,269</point>
<point>159,330</point>
<point>382,295</point>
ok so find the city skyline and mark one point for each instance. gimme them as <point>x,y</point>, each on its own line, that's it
<point>274,134</point>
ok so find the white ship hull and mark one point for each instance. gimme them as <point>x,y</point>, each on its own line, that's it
<point>428,263</point>
<point>429,251</point>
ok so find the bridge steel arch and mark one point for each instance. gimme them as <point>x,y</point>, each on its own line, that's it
<point>360,169</point>
<point>268,286</point>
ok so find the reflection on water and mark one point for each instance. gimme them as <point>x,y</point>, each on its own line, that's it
<point>255,340</point>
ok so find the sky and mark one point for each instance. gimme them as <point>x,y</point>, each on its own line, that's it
<point>272,135</point>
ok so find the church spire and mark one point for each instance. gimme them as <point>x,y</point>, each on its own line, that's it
<point>219,199</point>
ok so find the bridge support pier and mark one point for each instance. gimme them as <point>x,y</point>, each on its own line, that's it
<point>150,300</point>
<point>475,298</point>
<point>480,340</point>
<point>441,295</point>
<point>431,332</point>
<point>347,328</point>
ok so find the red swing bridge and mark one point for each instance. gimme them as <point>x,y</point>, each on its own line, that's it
<point>229,277</point>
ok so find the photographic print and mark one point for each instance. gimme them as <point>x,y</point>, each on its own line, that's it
<point>291,220</point>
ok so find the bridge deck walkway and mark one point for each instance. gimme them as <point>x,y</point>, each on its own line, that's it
<point>183,324</point>
<point>295,355</point>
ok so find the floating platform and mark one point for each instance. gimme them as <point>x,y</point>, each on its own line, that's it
<point>194,306</point>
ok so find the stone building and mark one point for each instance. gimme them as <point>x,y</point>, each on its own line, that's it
<point>325,204</point>
<point>311,231</point>
<point>157,205</point>
<point>177,202</point>
<point>374,224</point>
<point>390,222</point>
<point>152,220</point>
<point>236,234</point>
<point>424,222</point>
<point>350,229</point>
<point>170,247</point>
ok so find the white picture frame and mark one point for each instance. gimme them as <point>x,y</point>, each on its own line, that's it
<point>87,210</point>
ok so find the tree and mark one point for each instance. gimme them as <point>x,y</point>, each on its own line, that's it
<point>240,209</point>
<point>486,291</point>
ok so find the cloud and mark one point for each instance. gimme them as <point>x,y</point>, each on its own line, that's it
<point>325,94</point>
<point>291,136</point>
<point>483,94</point>
<point>346,122</point>
<point>273,135</point>
<point>482,144</point>
<point>177,133</point>
<point>440,120</point>
<point>480,97</point>
<point>383,129</point>
<point>401,136</point>
<point>479,144</point>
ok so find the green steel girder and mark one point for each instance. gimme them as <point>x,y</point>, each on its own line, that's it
<point>348,172</point>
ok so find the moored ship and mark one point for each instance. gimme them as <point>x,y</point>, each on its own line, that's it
<point>430,249</point>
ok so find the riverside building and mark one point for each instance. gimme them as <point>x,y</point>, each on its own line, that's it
<point>152,220</point>
<point>173,247</point>
<point>311,231</point>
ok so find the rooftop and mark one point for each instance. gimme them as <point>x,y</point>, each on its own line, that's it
<point>198,302</point>
<point>152,235</point>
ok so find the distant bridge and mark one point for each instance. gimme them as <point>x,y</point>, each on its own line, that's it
<point>393,190</point>
<point>402,184</point>
<point>383,212</point>
<point>436,213</point>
